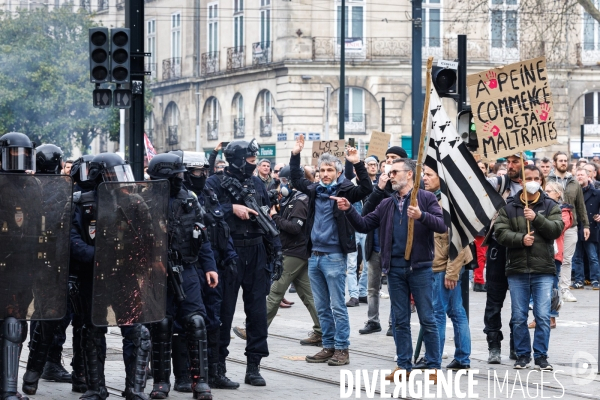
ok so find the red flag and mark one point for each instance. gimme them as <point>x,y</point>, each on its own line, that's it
<point>150,152</point>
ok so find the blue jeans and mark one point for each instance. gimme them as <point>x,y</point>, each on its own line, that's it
<point>359,289</point>
<point>401,283</point>
<point>328,280</point>
<point>522,287</point>
<point>557,263</point>
<point>591,249</point>
<point>449,302</point>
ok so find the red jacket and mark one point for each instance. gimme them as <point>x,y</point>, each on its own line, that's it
<point>567,217</point>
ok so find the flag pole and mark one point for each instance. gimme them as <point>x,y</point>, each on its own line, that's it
<point>524,191</point>
<point>417,177</point>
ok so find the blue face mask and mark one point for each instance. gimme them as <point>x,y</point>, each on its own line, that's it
<point>332,184</point>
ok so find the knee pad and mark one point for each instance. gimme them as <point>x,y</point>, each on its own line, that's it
<point>12,330</point>
<point>195,327</point>
<point>140,337</point>
<point>162,330</point>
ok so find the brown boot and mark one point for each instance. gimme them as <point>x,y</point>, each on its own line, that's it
<point>390,377</point>
<point>321,357</point>
<point>531,325</point>
<point>340,357</point>
<point>552,322</point>
<point>433,377</point>
<point>313,339</point>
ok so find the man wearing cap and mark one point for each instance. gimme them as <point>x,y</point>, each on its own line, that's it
<point>264,172</point>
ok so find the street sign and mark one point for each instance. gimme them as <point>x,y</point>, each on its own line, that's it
<point>122,98</point>
<point>448,64</point>
<point>102,98</point>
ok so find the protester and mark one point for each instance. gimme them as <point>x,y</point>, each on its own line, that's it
<point>592,171</point>
<point>405,277</point>
<point>264,172</point>
<point>527,226</point>
<point>545,166</point>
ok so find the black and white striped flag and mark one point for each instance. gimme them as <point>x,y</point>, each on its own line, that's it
<point>468,200</point>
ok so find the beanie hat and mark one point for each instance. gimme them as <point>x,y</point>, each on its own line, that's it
<point>399,151</point>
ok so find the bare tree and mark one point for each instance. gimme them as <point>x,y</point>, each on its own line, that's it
<point>590,8</point>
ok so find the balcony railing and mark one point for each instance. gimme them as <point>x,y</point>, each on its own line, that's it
<point>236,58</point>
<point>171,68</point>
<point>212,130</point>
<point>209,63</point>
<point>102,5</point>
<point>172,138</point>
<point>239,125</point>
<point>266,125</point>
<point>151,67</point>
<point>328,48</point>
<point>355,123</point>
<point>262,53</point>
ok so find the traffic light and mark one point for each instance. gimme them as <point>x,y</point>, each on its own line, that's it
<point>466,129</point>
<point>120,60</point>
<point>99,50</point>
<point>444,81</point>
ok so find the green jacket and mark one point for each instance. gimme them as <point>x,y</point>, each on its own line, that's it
<point>573,194</point>
<point>511,227</point>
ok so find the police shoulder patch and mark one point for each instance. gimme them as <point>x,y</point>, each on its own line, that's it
<point>300,222</point>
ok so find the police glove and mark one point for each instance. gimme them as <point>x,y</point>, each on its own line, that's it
<point>277,266</point>
<point>230,268</point>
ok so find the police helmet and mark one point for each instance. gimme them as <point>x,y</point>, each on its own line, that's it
<point>165,166</point>
<point>237,151</point>
<point>48,159</point>
<point>285,173</point>
<point>109,167</point>
<point>17,152</point>
<point>80,169</point>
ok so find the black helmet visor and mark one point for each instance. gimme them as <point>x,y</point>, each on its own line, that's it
<point>118,173</point>
<point>18,159</point>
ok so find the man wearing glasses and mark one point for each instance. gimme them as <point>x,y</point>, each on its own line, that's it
<point>405,277</point>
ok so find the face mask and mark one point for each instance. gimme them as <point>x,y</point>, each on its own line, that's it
<point>249,169</point>
<point>198,182</point>
<point>176,185</point>
<point>285,190</point>
<point>146,176</point>
<point>532,187</point>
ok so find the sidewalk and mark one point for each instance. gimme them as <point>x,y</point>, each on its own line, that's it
<point>572,344</point>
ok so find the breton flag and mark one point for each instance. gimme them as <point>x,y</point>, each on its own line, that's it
<point>150,152</point>
<point>469,201</point>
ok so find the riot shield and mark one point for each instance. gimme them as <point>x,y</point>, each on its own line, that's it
<point>35,221</point>
<point>130,276</point>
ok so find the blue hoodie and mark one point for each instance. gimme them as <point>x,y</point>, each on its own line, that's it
<point>324,234</point>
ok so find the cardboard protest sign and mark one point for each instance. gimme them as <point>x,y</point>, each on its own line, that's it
<point>512,108</point>
<point>379,144</point>
<point>335,147</point>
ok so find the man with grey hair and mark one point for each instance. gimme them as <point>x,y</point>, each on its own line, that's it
<point>331,238</point>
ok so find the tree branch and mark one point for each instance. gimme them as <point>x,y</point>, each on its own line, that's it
<point>590,8</point>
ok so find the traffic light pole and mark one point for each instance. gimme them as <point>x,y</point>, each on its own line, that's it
<point>417,67</point>
<point>462,73</point>
<point>342,94</point>
<point>134,20</point>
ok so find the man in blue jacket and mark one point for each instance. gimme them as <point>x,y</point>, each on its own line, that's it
<point>406,277</point>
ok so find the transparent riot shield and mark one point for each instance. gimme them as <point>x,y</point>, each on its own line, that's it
<point>35,220</point>
<point>130,276</point>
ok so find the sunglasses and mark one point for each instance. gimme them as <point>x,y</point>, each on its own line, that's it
<point>277,171</point>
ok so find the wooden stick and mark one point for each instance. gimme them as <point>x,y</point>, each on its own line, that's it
<point>524,191</point>
<point>424,136</point>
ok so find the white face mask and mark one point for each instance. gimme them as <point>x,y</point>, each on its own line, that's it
<point>532,187</point>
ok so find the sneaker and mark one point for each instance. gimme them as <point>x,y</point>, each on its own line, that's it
<point>313,339</point>
<point>479,287</point>
<point>568,296</point>
<point>494,356</point>
<point>321,357</point>
<point>531,325</point>
<point>389,332</point>
<point>340,357</point>
<point>292,288</point>
<point>455,366</point>
<point>413,308</point>
<point>522,363</point>
<point>384,280</point>
<point>384,295</point>
<point>353,302</point>
<point>363,299</point>
<point>595,285</point>
<point>542,364</point>
<point>370,327</point>
<point>240,332</point>
<point>577,285</point>
<point>420,364</point>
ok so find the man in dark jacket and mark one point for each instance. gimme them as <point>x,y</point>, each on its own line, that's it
<point>406,277</point>
<point>587,247</point>
<point>527,226</point>
<point>331,239</point>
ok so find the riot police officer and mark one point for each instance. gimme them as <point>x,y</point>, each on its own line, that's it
<point>188,243</point>
<point>258,247</point>
<point>47,337</point>
<point>17,224</point>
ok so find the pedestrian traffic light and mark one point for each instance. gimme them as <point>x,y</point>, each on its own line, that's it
<point>444,81</point>
<point>120,60</point>
<point>466,129</point>
<point>99,50</point>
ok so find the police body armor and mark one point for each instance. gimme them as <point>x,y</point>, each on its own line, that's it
<point>183,219</point>
<point>240,228</point>
<point>217,229</point>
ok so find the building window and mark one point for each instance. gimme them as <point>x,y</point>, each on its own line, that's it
<point>265,23</point>
<point>151,46</point>
<point>354,114</point>
<point>591,31</point>
<point>591,107</point>
<point>172,119</point>
<point>504,24</point>
<point>282,137</point>
<point>238,24</point>
<point>432,23</point>
<point>355,23</point>
<point>176,36</point>
<point>239,122</point>
<point>213,28</point>
<point>314,136</point>
<point>149,128</point>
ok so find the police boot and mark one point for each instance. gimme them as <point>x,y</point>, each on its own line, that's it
<point>39,343</point>
<point>219,380</point>
<point>135,379</point>
<point>494,340</point>
<point>14,334</point>
<point>94,364</point>
<point>161,358</point>
<point>181,369</point>
<point>78,384</point>
<point>196,345</point>
<point>253,376</point>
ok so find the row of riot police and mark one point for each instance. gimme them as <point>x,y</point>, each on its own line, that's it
<point>163,259</point>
